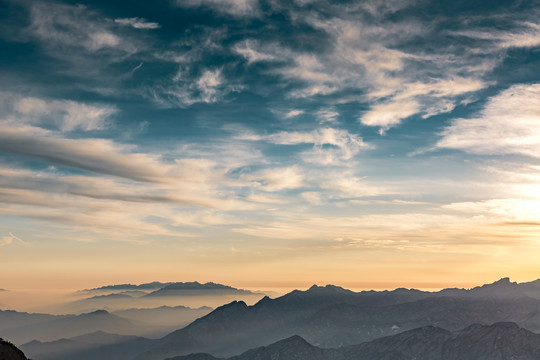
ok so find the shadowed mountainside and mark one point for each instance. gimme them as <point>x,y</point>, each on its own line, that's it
<point>8,351</point>
<point>164,316</point>
<point>500,341</point>
<point>64,348</point>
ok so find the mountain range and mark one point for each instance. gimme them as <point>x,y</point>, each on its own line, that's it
<point>156,294</point>
<point>195,289</point>
<point>21,327</point>
<point>500,341</point>
<point>327,317</point>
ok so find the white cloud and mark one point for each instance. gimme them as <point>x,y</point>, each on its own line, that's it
<point>292,114</point>
<point>250,50</point>
<point>60,26</point>
<point>277,179</point>
<point>100,40</point>
<point>66,115</point>
<point>231,7</point>
<point>382,7</point>
<point>389,114</point>
<point>330,146</point>
<point>428,99</point>
<point>208,84</point>
<point>137,23</point>
<point>512,209</point>
<point>210,87</point>
<point>363,58</point>
<point>508,124</point>
<point>327,115</point>
<point>526,37</point>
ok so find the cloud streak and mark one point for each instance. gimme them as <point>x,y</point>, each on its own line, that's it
<point>506,125</point>
<point>10,239</point>
<point>137,23</point>
<point>66,115</point>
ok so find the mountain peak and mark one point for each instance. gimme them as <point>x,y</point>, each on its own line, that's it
<point>264,300</point>
<point>503,281</point>
<point>328,289</point>
<point>98,312</point>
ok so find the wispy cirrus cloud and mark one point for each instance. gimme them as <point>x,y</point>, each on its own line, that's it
<point>330,146</point>
<point>58,26</point>
<point>367,62</point>
<point>525,35</point>
<point>10,239</point>
<point>65,115</point>
<point>506,125</point>
<point>251,51</point>
<point>137,23</point>
<point>230,7</point>
<point>184,90</point>
<point>277,179</point>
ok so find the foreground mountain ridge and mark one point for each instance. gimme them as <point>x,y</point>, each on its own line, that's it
<point>8,351</point>
<point>499,341</point>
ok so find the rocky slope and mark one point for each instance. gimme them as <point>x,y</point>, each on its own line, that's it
<point>8,351</point>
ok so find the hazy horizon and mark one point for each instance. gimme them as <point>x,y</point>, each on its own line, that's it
<point>56,301</point>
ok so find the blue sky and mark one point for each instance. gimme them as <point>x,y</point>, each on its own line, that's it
<point>367,143</point>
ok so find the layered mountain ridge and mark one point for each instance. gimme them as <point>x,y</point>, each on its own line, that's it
<point>329,317</point>
<point>500,341</point>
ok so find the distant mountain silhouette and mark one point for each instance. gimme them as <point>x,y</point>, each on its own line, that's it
<point>500,341</point>
<point>147,286</point>
<point>11,319</point>
<point>99,302</point>
<point>22,327</point>
<point>155,294</point>
<point>8,351</point>
<point>69,326</point>
<point>196,289</point>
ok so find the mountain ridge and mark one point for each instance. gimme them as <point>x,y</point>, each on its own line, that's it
<point>360,317</point>
<point>499,341</point>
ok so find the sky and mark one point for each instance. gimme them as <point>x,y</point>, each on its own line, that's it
<point>269,143</point>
